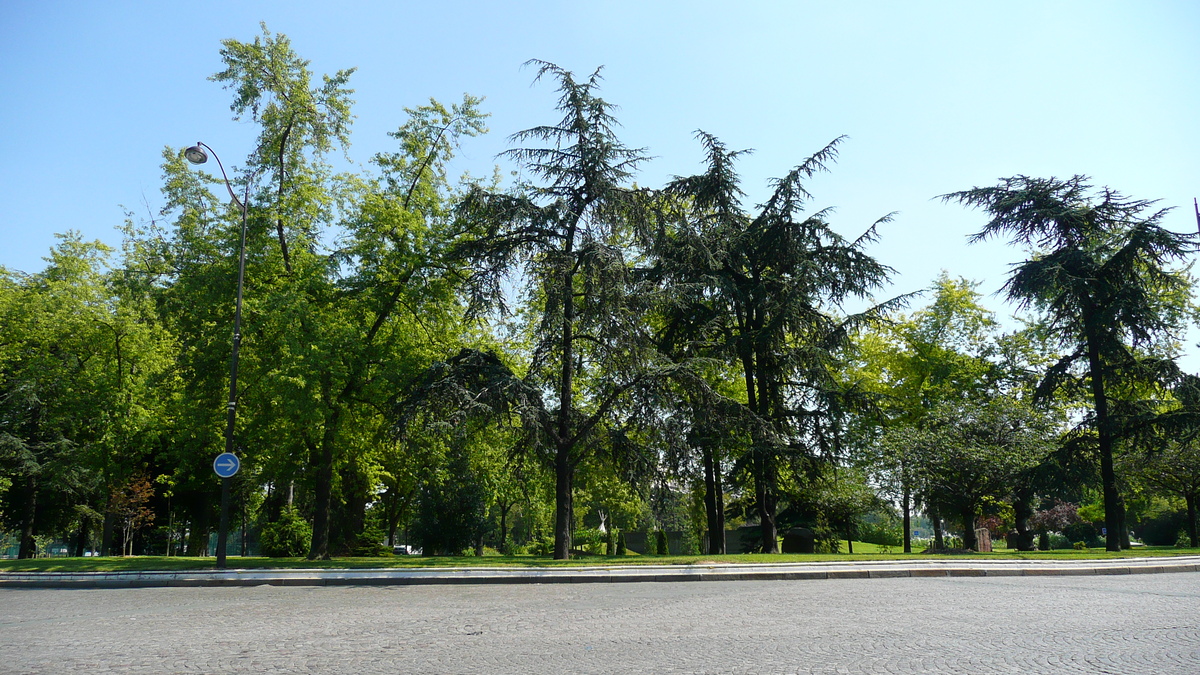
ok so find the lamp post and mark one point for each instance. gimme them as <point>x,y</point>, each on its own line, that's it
<point>197,155</point>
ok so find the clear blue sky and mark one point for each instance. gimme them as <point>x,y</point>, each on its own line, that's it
<point>935,97</point>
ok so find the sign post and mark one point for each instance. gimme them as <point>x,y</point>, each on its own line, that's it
<point>225,465</point>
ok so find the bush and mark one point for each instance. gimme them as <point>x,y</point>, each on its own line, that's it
<point>1059,542</point>
<point>882,533</point>
<point>826,540</point>
<point>543,545</point>
<point>1083,532</point>
<point>660,543</point>
<point>288,537</point>
<point>588,539</point>
<point>621,548</point>
<point>1162,530</point>
<point>610,541</point>
<point>1080,546</point>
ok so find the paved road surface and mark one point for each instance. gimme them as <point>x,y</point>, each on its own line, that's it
<point>1107,624</point>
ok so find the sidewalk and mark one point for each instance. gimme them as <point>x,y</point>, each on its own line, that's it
<point>602,574</point>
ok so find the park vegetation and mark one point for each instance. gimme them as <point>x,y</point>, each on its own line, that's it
<point>574,363</point>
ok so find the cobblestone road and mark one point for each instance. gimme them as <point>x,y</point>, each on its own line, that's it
<point>1115,624</point>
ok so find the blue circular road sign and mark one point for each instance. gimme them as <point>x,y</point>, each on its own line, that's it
<point>226,464</point>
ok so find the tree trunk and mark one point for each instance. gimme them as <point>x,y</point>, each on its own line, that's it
<point>245,534</point>
<point>1193,531</point>
<point>106,535</point>
<point>906,506</point>
<point>564,475</point>
<point>323,493</point>
<point>968,518</point>
<point>939,537</point>
<point>81,541</point>
<point>564,472</point>
<point>765,502</point>
<point>849,539</point>
<point>390,504</point>
<point>27,547</point>
<point>1114,507</point>
<point>504,508</point>
<point>714,506</point>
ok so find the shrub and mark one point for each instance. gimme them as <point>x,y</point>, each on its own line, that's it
<point>1083,532</point>
<point>288,537</point>
<point>882,533</point>
<point>588,539</point>
<point>543,545</point>
<point>1162,529</point>
<point>660,543</point>
<point>621,548</point>
<point>1055,519</point>
<point>1080,546</point>
<point>826,540</point>
<point>610,541</point>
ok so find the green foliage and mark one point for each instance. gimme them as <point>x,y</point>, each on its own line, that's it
<point>1101,278</point>
<point>970,452</point>
<point>452,507</point>
<point>754,292</point>
<point>622,549</point>
<point>660,543</point>
<point>288,537</point>
<point>883,532</point>
<point>589,540</point>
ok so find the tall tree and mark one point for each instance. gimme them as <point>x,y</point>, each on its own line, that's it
<point>568,237</point>
<point>76,369</point>
<point>1100,275</point>
<point>346,287</point>
<point>948,351</point>
<point>762,291</point>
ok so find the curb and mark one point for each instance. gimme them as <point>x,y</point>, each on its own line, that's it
<point>615,574</point>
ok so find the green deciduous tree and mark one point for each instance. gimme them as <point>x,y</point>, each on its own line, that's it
<point>78,367</point>
<point>969,452</point>
<point>346,295</point>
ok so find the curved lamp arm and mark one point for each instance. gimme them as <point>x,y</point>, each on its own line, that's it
<point>196,155</point>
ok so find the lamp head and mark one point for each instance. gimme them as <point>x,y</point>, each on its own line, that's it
<point>196,155</point>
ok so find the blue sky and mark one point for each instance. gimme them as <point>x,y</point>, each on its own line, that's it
<point>934,96</point>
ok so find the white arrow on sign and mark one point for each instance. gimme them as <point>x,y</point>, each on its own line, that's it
<point>226,464</point>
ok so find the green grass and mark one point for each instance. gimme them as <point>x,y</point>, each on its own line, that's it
<point>862,552</point>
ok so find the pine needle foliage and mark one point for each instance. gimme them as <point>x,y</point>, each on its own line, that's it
<point>763,292</point>
<point>568,237</point>
<point>1101,276</point>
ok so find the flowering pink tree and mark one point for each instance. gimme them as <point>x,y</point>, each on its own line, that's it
<point>1056,518</point>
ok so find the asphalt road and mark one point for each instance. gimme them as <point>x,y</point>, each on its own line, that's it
<point>1097,624</point>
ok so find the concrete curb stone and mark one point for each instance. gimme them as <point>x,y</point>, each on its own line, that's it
<point>883,569</point>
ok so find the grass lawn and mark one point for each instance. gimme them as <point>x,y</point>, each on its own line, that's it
<point>862,552</point>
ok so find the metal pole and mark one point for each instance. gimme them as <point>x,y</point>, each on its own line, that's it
<point>223,532</point>
<point>231,406</point>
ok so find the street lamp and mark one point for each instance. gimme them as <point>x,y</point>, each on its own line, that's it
<point>197,155</point>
